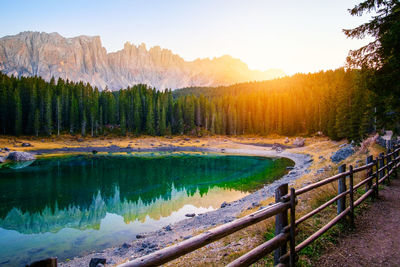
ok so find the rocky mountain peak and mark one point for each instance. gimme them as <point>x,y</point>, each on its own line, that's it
<point>83,58</point>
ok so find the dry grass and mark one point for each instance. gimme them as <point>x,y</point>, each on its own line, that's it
<point>229,248</point>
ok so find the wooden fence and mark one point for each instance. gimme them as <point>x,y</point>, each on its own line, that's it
<point>378,170</point>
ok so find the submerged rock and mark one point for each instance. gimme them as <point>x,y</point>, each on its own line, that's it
<point>19,164</point>
<point>20,156</point>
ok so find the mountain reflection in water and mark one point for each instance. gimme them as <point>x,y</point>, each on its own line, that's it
<point>69,206</point>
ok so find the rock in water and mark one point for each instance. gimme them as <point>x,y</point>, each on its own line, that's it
<point>190,215</point>
<point>2,160</point>
<point>49,262</point>
<point>20,156</point>
<point>26,144</point>
<point>342,154</point>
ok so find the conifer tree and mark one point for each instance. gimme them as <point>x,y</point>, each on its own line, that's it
<point>18,113</point>
<point>150,116</point>
<point>36,122</point>
<point>47,112</point>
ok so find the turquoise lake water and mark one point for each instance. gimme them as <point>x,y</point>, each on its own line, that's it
<point>70,206</point>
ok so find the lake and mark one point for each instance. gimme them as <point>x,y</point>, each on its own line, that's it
<point>72,205</point>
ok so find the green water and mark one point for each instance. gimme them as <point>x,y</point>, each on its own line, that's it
<point>70,206</point>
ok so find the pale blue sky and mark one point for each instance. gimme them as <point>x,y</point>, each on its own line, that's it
<point>296,36</point>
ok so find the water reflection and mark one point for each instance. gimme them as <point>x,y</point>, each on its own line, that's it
<point>68,206</point>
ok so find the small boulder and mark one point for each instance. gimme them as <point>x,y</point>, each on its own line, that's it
<point>286,140</point>
<point>342,154</point>
<point>26,145</point>
<point>125,245</point>
<point>190,215</point>
<point>299,142</point>
<point>256,204</point>
<point>80,140</point>
<point>6,149</point>
<point>2,160</point>
<point>97,262</point>
<point>289,168</point>
<point>20,156</point>
<point>225,204</point>
<point>94,152</point>
<point>168,228</point>
<point>139,236</point>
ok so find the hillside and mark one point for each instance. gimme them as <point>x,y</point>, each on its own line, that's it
<point>83,58</point>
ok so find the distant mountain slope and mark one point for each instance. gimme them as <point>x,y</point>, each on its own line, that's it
<point>83,58</point>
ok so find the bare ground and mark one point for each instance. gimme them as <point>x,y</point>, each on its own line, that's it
<point>376,238</point>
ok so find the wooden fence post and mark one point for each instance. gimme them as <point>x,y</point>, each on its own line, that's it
<point>388,161</point>
<point>369,173</point>
<point>395,161</point>
<point>389,144</point>
<point>292,243</point>
<point>351,196</point>
<point>381,165</point>
<point>341,203</point>
<point>281,221</point>
<point>376,188</point>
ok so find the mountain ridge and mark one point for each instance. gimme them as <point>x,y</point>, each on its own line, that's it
<point>83,58</point>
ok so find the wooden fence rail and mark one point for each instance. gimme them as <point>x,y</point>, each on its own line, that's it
<point>377,170</point>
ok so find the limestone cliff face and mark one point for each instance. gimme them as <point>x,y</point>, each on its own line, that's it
<point>83,58</point>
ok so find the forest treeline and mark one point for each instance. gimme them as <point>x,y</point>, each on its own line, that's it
<point>336,103</point>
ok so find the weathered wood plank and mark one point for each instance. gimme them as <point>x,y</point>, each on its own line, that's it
<point>169,253</point>
<point>281,221</point>
<point>259,252</point>
<point>341,202</point>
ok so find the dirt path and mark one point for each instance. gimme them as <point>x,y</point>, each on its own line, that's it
<point>376,240</point>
